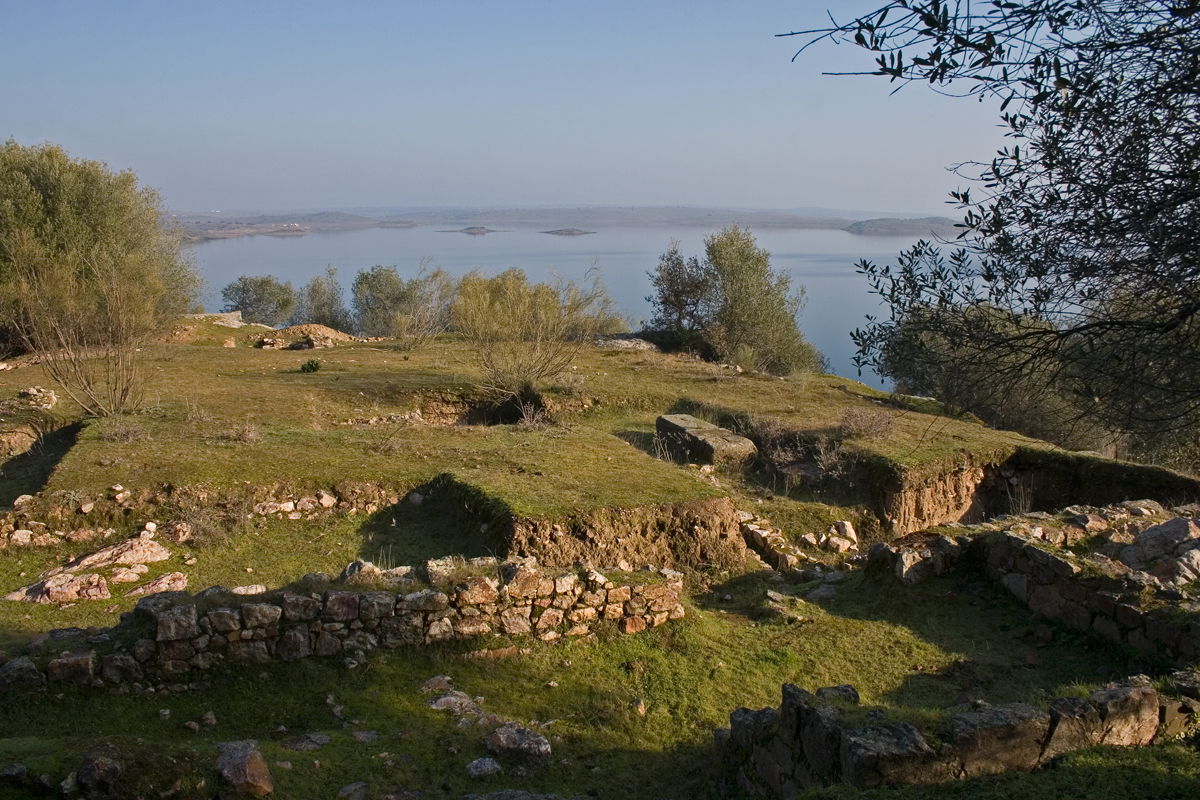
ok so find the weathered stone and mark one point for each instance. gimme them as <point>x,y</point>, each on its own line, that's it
<point>243,770</point>
<point>170,582</point>
<point>376,605</point>
<point>326,644</point>
<point>703,442</point>
<point>439,630</point>
<point>820,737</point>
<point>21,675</point>
<point>441,570</point>
<point>477,590</point>
<point>886,755</point>
<point>340,606</point>
<point>360,790</point>
<point>401,630</point>
<point>515,620</point>
<point>1074,725</point>
<point>120,668</point>
<point>254,651</point>
<point>360,572</point>
<point>518,743</point>
<point>177,622</point>
<point>129,552</point>
<point>293,645</point>
<point>98,774</point>
<point>471,626</point>
<point>633,625</point>
<point>1129,714</point>
<point>299,608</point>
<point>425,600</point>
<point>484,768</point>
<point>224,620</point>
<point>73,668</point>
<point>260,615</point>
<point>999,738</point>
<point>844,692</point>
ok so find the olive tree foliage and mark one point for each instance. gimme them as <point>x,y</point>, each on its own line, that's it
<point>88,272</point>
<point>321,302</point>
<point>1080,234</point>
<point>525,333</point>
<point>261,298</point>
<point>732,306</point>
<point>410,310</point>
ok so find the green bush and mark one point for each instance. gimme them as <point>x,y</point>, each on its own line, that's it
<point>526,333</point>
<point>732,306</point>
<point>312,365</point>
<point>261,298</point>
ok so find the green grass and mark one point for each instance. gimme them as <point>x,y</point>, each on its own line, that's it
<point>235,418</point>
<point>911,652</point>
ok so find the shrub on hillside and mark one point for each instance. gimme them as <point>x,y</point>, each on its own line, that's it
<point>261,298</point>
<point>411,311</point>
<point>320,303</point>
<point>732,306</point>
<point>88,271</point>
<point>526,333</point>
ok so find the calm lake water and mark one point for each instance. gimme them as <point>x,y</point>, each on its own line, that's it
<point>822,261</point>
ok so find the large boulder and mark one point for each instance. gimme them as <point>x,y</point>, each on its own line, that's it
<point>243,770</point>
<point>21,675</point>
<point>1129,714</point>
<point>703,442</point>
<point>890,754</point>
<point>999,738</point>
<point>517,743</point>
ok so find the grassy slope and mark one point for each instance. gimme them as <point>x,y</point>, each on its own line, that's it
<point>910,651</point>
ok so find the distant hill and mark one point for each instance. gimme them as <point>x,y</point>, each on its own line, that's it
<point>924,226</point>
<point>559,221</point>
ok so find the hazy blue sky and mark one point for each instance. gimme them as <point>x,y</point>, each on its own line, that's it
<point>295,105</point>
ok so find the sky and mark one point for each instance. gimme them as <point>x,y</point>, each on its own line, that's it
<point>272,105</point>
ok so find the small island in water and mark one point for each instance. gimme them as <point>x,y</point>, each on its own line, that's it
<point>568,232</point>
<point>474,230</point>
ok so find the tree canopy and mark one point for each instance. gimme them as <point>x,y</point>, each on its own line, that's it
<point>261,298</point>
<point>88,271</point>
<point>732,306</point>
<point>1079,236</point>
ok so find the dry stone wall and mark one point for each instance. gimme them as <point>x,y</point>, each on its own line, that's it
<point>809,740</point>
<point>1149,611</point>
<point>174,638</point>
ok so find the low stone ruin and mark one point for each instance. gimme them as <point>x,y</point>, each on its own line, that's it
<point>184,636</point>
<point>702,442</point>
<point>1152,609</point>
<point>810,741</point>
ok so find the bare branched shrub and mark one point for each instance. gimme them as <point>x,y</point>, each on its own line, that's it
<point>194,413</point>
<point>831,458</point>
<point>526,333</point>
<point>866,423</point>
<point>247,433</point>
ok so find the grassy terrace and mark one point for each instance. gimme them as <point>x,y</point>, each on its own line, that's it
<point>206,404</point>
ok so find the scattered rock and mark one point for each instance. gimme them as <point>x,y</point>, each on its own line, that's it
<point>484,768</point>
<point>518,743</point>
<point>243,770</point>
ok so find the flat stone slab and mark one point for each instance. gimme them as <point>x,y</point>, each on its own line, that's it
<point>702,442</point>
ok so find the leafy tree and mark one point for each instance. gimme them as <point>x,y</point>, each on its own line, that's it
<point>261,298</point>
<point>732,305</point>
<point>411,311</point>
<point>1080,234</point>
<point>681,288</point>
<point>88,273</point>
<point>526,333</point>
<point>320,302</point>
